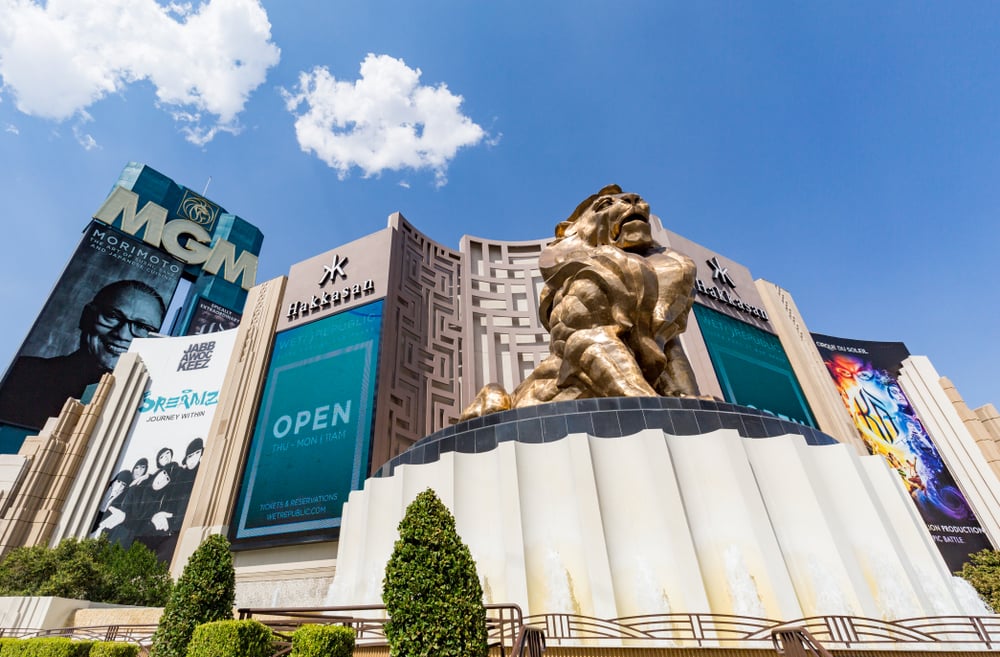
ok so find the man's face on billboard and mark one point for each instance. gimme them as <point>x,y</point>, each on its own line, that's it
<point>115,321</point>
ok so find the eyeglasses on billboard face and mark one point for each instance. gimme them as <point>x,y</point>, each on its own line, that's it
<point>112,318</point>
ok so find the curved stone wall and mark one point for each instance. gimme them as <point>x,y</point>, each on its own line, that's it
<point>654,522</point>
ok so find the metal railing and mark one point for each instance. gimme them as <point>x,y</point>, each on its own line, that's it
<point>530,642</point>
<point>522,636</point>
<point>141,635</point>
<point>504,623</point>
<point>975,632</point>
<point>797,642</point>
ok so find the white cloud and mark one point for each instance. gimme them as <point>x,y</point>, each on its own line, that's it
<point>384,120</point>
<point>59,58</point>
<point>11,128</point>
<point>84,139</point>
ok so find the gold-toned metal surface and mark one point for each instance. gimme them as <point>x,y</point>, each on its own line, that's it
<point>615,303</point>
<point>492,398</point>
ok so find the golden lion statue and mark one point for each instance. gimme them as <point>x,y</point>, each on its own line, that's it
<point>615,303</point>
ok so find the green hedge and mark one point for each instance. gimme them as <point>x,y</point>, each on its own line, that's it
<point>323,641</point>
<point>231,638</point>
<point>47,647</point>
<point>63,647</point>
<point>114,649</point>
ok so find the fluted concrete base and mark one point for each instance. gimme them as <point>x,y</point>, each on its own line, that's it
<point>658,523</point>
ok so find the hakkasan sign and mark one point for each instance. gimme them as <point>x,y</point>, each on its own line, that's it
<point>311,443</point>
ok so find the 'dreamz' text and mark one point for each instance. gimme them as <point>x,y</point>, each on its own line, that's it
<point>186,400</point>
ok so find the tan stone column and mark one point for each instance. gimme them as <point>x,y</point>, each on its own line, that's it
<point>54,458</point>
<point>819,389</point>
<point>974,423</point>
<point>214,494</point>
<point>102,450</point>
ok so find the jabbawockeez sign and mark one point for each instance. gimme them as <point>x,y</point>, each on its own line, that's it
<point>160,458</point>
<point>184,239</point>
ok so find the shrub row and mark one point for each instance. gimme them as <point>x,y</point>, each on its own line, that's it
<point>88,569</point>
<point>229,638</point>
<point>250,638</point>
<point>323,641</point>
<point>64,647</point>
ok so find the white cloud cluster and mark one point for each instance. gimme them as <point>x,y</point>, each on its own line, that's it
<point>384,120</point>
<point>58,58</point>
<point>86,141</point>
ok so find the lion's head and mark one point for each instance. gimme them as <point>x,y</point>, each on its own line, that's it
<point>609,217</point>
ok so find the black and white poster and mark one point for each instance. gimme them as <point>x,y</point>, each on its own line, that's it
<point>115,288</point>
<point>147,497</point>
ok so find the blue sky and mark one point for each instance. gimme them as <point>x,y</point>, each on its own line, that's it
<point>846,151</point>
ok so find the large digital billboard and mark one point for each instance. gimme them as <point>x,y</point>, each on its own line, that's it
<point>865,375</point>
<point>313,432</point>
<point>114,288</point>
<point>147,498</point>
<point>752,367</point>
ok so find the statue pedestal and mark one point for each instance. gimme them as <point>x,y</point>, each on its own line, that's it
<point>604,418</point>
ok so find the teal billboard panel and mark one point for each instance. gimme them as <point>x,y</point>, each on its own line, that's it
<point>752,367</point>
<point>311,442</point>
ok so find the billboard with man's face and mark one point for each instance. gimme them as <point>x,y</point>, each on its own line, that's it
<point>115,288</point>
<point>865,375</point>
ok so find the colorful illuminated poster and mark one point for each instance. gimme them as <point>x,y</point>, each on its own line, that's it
<point>311,443</point>
<point>147,497</point>
<point>865,375</point>
<point>752,367</point>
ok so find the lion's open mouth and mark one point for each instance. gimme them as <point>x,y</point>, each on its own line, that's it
<point>616,228</point>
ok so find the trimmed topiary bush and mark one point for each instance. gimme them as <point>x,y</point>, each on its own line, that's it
<point>231,638</point>
<point>323,641</point>
<point>47,647</point>
<point>431,590</point>
<point>113,649</point>
<point>205,592</point>
<point>4,642</point>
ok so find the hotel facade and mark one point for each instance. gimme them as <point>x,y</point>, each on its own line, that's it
<point>834,475</point>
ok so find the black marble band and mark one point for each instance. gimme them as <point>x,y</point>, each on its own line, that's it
<point>604,418</point>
